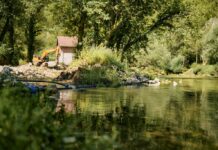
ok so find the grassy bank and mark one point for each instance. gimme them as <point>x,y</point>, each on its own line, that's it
<point>99,66</point>
<point>103,67</point>
<point>197,71</point>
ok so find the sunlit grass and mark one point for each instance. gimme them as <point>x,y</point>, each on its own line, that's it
<point>98,55</point>
<point>100,66</point>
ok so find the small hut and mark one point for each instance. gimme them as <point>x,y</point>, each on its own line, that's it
<point>67,47</point>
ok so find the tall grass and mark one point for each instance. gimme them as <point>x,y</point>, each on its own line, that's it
<point>100,66</point>
<point>98,55</point>
<point>210,70</point>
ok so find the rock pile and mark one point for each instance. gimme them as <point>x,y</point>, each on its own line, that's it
<point>72,74</point>
<point>33,72</point>
<point>30,72</point>
<point>6,77</point>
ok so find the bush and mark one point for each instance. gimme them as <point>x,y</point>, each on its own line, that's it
<point>9,56</point>
<point>5,52</point>
<point>98,55</point>
<point>199,69</point>
<point>31,122</point>
<point>216,68</point>
<point>158,56</point>
<point>210,42</point>
<point>208,70</point>
<point>100,66</point>
<point>177,64</point>
<point>196,68</point>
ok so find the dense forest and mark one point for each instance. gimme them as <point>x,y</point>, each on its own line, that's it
<point>168,34</point>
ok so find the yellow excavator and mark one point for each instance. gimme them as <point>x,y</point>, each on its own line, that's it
<point>43,59</point>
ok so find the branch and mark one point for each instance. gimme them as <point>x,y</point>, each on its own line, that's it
<point>166,15</point>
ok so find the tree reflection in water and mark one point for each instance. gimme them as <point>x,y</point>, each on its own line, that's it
<point>188,118</point>
<point>184,117</point>
<point>66,102</point>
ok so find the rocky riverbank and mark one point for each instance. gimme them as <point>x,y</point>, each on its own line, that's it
<point>29,71</point>
<point>70,75</point>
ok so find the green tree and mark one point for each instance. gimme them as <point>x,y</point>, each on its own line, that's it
<point>33,19</point>
<point>10,13</point>
<point>210,42</point>
<point>119,24</point>
<point>138,19</point>
<point>185,39</point>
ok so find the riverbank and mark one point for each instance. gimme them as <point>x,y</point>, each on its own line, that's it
<point>96,75</point>
<point>192,74</point>
<point>29,71</point>
<point>73,78</point>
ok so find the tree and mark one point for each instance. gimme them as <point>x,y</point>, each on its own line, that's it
<point>210,42</point>
<point>33,16</point>
<point>10,12</point>
<point>119,24</point>
<point>139,18</point>
<point>190,27</point>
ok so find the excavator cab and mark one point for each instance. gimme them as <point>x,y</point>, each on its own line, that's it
<point>44,58</point>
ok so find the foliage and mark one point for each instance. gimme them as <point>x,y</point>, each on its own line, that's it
<point>210,42</point>
<point>210,70</point>
<point>98,55</point>
<point>163,29</point>
<point>100,65</point>
<point>158,54</point>
<point>102,22</point>
<point>34,122</point>
<point>4,53</point>
<point>184,38</point>
<point>33,23</point>
<point>177,64</point>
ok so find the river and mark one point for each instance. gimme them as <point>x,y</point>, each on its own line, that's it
<point>184,116</point>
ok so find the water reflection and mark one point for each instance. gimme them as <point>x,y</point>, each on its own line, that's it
<point>184,117</point>
<point>66,101</point>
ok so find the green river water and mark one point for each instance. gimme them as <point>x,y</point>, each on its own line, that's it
<point>165,117</point>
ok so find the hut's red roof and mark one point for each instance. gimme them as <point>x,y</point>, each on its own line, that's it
<point>64,41</point>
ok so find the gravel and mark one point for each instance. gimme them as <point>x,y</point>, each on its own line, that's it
<point>29,71</point>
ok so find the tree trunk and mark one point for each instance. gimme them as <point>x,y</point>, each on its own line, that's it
<point>96,38</point>
<point>11,34</point>
<point>117,32</point>
<point>81,29</point>
<point>11,41</point>
<point>4,30</point>
<point>31,38</point>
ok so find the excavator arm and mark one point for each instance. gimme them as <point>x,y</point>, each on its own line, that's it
<point>45,53</point>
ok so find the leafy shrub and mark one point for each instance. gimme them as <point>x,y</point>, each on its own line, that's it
<point>158,55</point>
<point>9,56</point>
<point>98,55</point>
<point>208,70</point>
<point>100,66</point>
<point>5,52</point>
<point>31,122</point>
<point>216,68</point>
<point>196,68</point>
<point>177,64</point>
<point>210,42</point>
<point>199,69</point>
